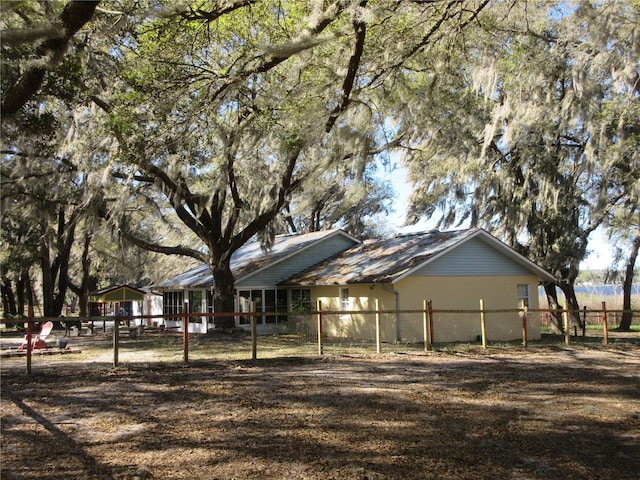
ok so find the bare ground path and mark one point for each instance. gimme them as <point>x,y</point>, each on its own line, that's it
<point>544,413</point>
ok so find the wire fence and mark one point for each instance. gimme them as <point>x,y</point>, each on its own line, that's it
<point>187,337</point>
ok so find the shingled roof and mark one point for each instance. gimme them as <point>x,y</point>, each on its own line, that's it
<point>251,258</point>
<point>389,260</point>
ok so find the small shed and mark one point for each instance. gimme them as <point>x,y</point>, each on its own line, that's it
<point>103,302</point>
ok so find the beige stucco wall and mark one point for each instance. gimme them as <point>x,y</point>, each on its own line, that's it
<point>357,326</point>
<point>446,293</point>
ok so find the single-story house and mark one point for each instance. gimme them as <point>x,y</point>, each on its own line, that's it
<point>257,274</point>
<point>455,270</point>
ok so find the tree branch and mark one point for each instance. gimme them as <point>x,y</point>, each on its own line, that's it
<point>210,16</point>
<point>152,247</point>
<point>75,15</point>
<point>264,63</point>
<point>360,31</point>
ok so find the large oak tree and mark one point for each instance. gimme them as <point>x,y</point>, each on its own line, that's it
<point>220,112</point>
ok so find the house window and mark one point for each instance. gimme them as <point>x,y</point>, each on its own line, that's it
<point>301,300</point>
<point>523,295</point>
<point>172,303</point>
<point>345,303</point>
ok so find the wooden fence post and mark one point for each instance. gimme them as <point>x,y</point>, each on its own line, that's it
<point>605,325</point>
<point>426,306</point>
<point>116,333</point>
<point>431,334</point>
<point>185,332</point>
<point>254,331</point>
<point>567,332</point>
<point>524,323</point>
<point>29,339</point>
<point>483,324</point>
<point>320,349</point>
<point>377,327</point>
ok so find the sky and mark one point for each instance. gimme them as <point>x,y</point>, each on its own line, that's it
<point>601,250</point>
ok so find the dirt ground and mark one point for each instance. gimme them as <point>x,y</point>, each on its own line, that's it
<point>547,412</point>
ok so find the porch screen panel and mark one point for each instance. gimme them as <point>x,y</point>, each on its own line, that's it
<point>270,305</point>
<point>281,305</point>
<point>172,304</point>
<point>275,301</point>
<point>195,305</point>
<point>244,305</point>
<point>256,298</point>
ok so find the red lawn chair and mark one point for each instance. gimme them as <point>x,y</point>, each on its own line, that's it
<point>38,339</point>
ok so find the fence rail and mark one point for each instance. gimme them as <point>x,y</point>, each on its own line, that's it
<point>309,328</point>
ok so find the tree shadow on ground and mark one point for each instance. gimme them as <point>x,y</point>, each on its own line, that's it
<point>548,416</point>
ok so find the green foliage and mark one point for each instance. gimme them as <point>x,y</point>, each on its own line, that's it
<point>541,147</point>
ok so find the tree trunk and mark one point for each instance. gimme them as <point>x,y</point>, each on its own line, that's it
<point>87,282</point>
<point>86,277</point>
<point>554,306</point>
<point>47,273</point>
<point>572,303</point>
<point>23,290</point>
<point>8,298</point>
<point>223,293</point>
<point>55,269</point>
<point>627,315</point>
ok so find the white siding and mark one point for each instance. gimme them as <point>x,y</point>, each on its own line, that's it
<point>299,261</point>
<point>474,257</point>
